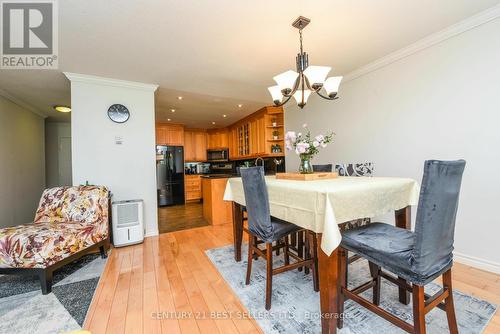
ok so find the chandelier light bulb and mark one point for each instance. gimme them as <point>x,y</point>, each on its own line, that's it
<point>298,97</point>
<point>286,81</point>
<point>332,85</point>
<point>316,75</point>
<point>275,93</point>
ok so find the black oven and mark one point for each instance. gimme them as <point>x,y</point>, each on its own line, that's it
<point>218,155</point>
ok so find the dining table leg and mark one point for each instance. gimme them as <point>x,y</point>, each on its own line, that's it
<point>237,230</point>
<point>328,288</point>
<point>403,220</point>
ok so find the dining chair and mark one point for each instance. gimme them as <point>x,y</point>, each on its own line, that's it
<point>263,227</point>
<point>418,257</point>
<point>323,168</point>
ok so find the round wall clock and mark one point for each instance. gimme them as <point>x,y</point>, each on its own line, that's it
<point>118,113</point>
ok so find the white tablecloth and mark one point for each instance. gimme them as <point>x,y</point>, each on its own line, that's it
<point>321,205</point>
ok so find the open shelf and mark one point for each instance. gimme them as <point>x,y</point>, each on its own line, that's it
<point>275,127</point>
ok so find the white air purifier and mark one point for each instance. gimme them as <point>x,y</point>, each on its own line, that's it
<point>127,220</point>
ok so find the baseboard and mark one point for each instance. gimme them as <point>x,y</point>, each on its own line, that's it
<point>476,262</point>
<point>151,233</point>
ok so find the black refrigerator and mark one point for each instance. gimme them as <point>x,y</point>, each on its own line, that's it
<point>170,175</point>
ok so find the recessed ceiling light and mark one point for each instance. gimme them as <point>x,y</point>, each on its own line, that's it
<point>179,97</point>
<point>213,123</point>
<point>172,110</point>
<point>62,108</point>
<point>240,105</point>
<point>168,119</point>
<point>224,116</point>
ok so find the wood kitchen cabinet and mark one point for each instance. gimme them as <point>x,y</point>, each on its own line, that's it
<point>258,135</point>
<point>195,145</point>
<point>169,134</point>
<point>218,138</point>
<point>192,188</point>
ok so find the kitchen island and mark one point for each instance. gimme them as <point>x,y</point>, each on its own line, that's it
<point>215,210</point>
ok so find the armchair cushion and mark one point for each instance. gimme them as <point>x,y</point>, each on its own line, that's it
<point>389,247</point>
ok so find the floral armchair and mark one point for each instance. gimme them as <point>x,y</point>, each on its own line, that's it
<point>69,222</point>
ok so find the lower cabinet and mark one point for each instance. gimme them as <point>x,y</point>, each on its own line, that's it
<point>192,187</point>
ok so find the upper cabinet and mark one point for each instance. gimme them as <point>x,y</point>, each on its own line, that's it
<point>169,134</point>
<point>260,134</point>
<point>195,145</point>
<point>218,138</point>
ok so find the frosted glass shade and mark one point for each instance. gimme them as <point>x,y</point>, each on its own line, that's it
<point>298,96</point>
<point>275,93</point>
<point>317,74</point>
<point>332,85</point>
<point>286,80</point>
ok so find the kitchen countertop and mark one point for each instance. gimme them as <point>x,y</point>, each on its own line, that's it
<point>217,176</point>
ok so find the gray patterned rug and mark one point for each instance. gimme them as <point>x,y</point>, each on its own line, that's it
<point>295,305</point>
<point>23,308</point>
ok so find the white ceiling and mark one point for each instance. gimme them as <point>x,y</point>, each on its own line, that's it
<point>220,53</point>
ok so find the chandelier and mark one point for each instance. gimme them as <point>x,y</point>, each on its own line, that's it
<point>306,80</point>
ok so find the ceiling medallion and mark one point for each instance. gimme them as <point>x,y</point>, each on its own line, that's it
<point>306,80</point>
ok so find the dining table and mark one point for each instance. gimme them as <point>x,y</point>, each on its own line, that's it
<point>320,206</point>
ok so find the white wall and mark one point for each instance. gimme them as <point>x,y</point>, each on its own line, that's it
<point>22,163</point>
<point>442,102</point>
<point>54,133</point>
<point>129,169</point>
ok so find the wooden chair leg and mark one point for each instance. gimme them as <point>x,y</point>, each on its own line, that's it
<point>342,284</point>
<point>346,273</point>
<point>307,254</point>
<point>300,246</point>
<point>286,251</point>
<point>374,271</point>
<point>102,250</point>
<point>45,277</point>
<point>418,309</point>
<point>293,240</point>
<point>269,280</point>
<point>250,259</point>
<point>255,255</point>
<point>448,303</point>
<point>278,242</point>
<point>314,248</point>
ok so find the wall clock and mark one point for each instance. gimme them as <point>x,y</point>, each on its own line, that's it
<point>118,113</point>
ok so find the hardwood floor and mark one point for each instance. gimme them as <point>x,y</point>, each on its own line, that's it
<point>141,284</point>
<point>181,217</point>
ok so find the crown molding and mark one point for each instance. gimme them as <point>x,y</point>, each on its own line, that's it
<point>436,38</point>
<point>21,103</point>
<point>95,80</point>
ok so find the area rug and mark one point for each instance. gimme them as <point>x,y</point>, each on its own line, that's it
<point>23,308</point>
<point>295,305</point>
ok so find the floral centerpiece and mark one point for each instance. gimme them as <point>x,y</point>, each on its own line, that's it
<point>306,146</point>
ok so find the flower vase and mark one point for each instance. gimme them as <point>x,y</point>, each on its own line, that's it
<point>305,164</point>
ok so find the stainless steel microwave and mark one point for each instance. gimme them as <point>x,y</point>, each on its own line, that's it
<point>218,155</point>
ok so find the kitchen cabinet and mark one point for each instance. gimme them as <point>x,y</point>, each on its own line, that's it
<point>169,134</point>
<point>215,210</point>
<point>192,187</point>
<point>258,135</point>
<point>217,139</point>
<point>195,145</point>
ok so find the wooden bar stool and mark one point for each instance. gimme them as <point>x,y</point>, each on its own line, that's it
<point>418,257</point>
<point>264,229</point>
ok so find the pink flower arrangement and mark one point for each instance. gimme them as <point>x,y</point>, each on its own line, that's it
<point>306,144</point>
